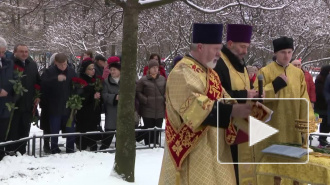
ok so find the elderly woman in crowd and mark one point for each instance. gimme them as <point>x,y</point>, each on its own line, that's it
<point>110,95</point>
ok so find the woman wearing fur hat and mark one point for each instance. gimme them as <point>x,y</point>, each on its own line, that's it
<point>150,91</point>
<point>106,71</point>
<point>110,95</point>
<point>89,116</point>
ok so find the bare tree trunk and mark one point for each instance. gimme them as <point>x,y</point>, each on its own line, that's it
<point>125,148</point>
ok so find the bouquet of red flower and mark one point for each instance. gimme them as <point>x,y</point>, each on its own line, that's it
<point>37,95</point>
<point>18,90</point>
<point>75,101</point>
<point>78,83</point>
<point>97,82</point>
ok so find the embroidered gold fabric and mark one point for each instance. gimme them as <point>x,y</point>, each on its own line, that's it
<point>187,102</point>
<point>316,171</point>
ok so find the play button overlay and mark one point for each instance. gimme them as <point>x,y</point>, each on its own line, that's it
<point>259,131</point>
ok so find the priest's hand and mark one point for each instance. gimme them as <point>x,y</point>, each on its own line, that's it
<point>285,78</point>
<point>241,110</point>
<point>262,95</point>
<point>252,93</point>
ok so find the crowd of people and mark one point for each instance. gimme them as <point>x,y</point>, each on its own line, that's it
<point>72,100</point>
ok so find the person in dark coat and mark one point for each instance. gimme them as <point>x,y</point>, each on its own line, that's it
<point>100,63</point>
<point>21,123</point>
<point>57,88</point>
<point>150,91</point>
<point>6,96</point>
<point>320,105</point>
<point>110,95</point>
<point>44,116</point>
<point>88,117</point>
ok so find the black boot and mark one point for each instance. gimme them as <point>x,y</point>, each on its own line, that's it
<point>47,146</point>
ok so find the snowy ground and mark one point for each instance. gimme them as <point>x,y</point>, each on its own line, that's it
<point>77,168</point>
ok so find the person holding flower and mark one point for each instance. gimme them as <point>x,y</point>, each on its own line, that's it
<point>6,96</point>
<point>89,116</point>
<point>22,117</point>
<point>56,87</point>
<point>110,95</point>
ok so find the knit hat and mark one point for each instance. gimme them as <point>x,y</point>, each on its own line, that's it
<point>100,57</point>
<point>113,59</point>
<point>115,65</point>
<point>153,63</point>
<point>239,33</point>
<point>282,43</point>
<point>85,63</point>
<point>207,33</point>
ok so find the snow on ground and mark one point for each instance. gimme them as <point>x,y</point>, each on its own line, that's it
<point>78,168</point>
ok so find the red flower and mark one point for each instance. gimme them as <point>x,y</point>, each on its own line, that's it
<point>93,80</point>
<point>83,82</point>
<point>100,77</point>
<point>79,81</point>
<point>37,87</point>
<point>18,68</point>
<point>75,79</point>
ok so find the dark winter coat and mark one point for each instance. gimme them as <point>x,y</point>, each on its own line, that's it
<point>151,95</point>
<point>25,103</point>
<point>109,93</point>
<point>89,116</point>
<point>57,93</point>
<point>98,70</point>
<point>320,105</point>
<point>326,92</point>
<point>6,74</point>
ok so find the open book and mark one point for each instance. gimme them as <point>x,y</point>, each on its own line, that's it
<point>238,130</point>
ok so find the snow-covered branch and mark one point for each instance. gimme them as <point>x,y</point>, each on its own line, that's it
<point>208,11</point>
<point>147,4</point>
<point>4,4</point>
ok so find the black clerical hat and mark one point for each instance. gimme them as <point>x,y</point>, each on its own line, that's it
<point>282,43</point>
<point>207,33</point>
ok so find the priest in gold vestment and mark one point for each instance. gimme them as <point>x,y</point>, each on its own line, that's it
<point>193,87</point>
<point>234,78</point>
<point>283,80</point>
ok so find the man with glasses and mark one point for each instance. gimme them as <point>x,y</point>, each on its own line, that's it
<point>21,123</point>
